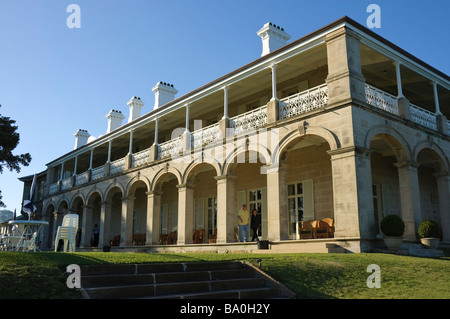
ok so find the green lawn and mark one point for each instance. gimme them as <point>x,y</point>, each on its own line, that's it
<point>341,276</point>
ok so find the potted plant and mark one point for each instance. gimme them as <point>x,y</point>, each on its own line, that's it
<point>393,229</point>
<point>429,233</point>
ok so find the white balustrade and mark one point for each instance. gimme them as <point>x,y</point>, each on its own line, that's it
<point>381,99</point>
<point>117,166</point>
<point>205,136</point>
<point>249,121</point>
<point>98,173</point>
<point>140,158</point>
<point>66,183</point>
<point>303,102</point>
<point>169,148</point>
<point>81,178</point>
<point>423,117</point>
<point>53,188</point>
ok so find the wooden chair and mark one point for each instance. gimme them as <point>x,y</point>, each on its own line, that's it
<point>163,239</point>
<point>307,230</point>
<point>213,237</point>
<point>198,236</point>
<point>115,241</point>
<point>325,228</point>
<point>172,238</point>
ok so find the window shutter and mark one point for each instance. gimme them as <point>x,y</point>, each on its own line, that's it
<point>308,199</point>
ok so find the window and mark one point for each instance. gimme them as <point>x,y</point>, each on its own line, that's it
<point>300,205</point>
<point>212,215</point>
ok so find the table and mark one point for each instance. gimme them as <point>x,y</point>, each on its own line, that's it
<point>29,234</point>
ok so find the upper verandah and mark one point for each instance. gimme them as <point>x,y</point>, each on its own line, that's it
<point>253,82</point>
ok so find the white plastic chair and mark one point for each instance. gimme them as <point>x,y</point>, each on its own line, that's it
<point>67,232</point>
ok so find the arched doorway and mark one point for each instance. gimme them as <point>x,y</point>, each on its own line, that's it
<point>202,176</point>
<point>165,209</point>
<point>308,186</point>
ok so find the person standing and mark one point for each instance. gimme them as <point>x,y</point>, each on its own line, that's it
<point>254,223</point>
<point>96,235</point>
<point>243,222</point>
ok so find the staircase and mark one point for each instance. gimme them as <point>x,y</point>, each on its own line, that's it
<point>231,280</point>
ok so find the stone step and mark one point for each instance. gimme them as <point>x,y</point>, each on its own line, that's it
<point>87,270</point>
<point>153,278</point>
<point>254,293</point>
<point>173,288</point>
<point>177,280</point>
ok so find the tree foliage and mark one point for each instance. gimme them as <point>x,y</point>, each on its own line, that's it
<point>9,139</point>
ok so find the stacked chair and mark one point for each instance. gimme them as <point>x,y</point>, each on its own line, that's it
<point>67,232</point>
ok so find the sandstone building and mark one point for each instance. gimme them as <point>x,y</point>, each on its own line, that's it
<point>338,124</point>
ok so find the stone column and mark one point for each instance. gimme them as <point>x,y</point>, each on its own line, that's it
<point>226,208</point>
<point>409,198</point>
<point>352,193</point>
<point>105,224</point>
<point>126,224</point>
<point>54,229</point>
<point>185,213</point>
<point>153,217</point>
<point>345,81</point>
<point>443,184</point>
<point>277,215</point>
<point>87,226</point>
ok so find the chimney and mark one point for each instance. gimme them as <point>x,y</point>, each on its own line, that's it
<point>164,93</point>
<point>273,37</point>
<point>135,105</point>
<point>114,120</point>
<point>81,138</point>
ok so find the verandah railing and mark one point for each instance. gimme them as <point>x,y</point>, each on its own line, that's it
<point>303,102</point>
<point>300,103</point>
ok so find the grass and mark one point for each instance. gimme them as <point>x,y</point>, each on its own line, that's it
<point>329,276</point>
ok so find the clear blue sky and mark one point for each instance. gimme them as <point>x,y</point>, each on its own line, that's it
<point>55,80</point>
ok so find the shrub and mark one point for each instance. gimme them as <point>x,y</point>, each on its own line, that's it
<point>428,229</point>
<point>392,225</point>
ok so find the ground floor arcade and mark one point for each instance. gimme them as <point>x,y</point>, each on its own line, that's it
<point>311,174</point>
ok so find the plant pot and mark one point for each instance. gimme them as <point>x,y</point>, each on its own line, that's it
<point>430,243</point>
<point>393,242</point>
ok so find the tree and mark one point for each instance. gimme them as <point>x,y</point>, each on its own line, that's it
<point>9,139</point>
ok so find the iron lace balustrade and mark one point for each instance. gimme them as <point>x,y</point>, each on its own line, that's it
<point>205,136</point>
<point>381,99</point>
<point>98,173</point>
<point>140,158</point>
<point>66,183</point>
<point>53,188</point>
<point>249,121</point>
<point>423,117</point>
<point>167,149</point>
<point>117,166</point>
<point>81,178</point>
<point>303,102</point>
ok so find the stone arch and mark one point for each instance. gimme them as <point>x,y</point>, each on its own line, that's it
<point>110,190</point>
<point>163,173</point>
<point>61,203</point>
<point>192,170</point>
<point>435,153</point>
<point>233,158</point>
<point>91,193</point>
<point>393,138</point>
<point>134,183</point>
<point>304,130</point>
<point>76,198</point>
